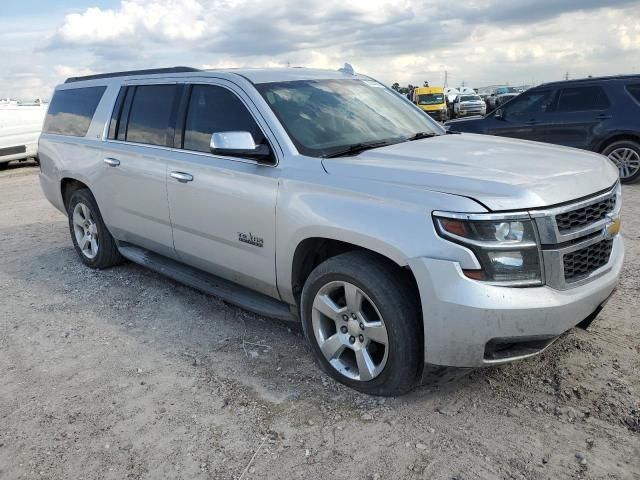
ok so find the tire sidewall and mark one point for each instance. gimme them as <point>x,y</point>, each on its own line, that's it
<point>404,354</point>
<point>85,197</point>
<point>624,144</point>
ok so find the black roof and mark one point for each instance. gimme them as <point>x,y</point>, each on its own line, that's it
<point>595,79</point>
<point>132,72</point>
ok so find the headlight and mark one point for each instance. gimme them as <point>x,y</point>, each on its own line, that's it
<point>506,248</point>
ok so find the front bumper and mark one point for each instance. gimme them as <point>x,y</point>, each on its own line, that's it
<point>440,115</point>
<point>464,319</point>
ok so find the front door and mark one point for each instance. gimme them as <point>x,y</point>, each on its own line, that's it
<point>524,116</point>
<point>223,209</point>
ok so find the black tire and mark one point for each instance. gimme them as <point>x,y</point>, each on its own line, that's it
<point>620,145</point>
<point>107,249</point>
<point>397,302</point>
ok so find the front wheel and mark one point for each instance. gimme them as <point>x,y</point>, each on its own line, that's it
<point>625,154</point>
<point>362,319</point>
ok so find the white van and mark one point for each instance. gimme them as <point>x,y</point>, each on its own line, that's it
<point>20,127</point>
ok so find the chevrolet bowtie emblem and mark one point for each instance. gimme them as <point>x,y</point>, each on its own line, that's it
<point>612,228</point>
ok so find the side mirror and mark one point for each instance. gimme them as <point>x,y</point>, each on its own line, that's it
<point>239,144</point>
<point>498,114</point>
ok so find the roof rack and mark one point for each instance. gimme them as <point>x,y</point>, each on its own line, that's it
<point>150,71</point>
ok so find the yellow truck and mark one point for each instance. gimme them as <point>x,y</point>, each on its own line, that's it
<point>433,101</point>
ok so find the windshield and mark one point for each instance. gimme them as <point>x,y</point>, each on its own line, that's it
<point>430,99</point>
<point>324,117</point>
<point>470,98</point>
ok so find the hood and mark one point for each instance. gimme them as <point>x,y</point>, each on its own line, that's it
<point>500,173</point>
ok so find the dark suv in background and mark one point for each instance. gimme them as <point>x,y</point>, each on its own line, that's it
<point>597,114</point>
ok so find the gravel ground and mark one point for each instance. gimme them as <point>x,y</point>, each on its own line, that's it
<point>123,373</point>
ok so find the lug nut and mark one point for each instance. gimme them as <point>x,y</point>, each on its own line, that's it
<point>345,317</point>
<point>353,315</point>
<point>361,326</point>
<point>352,339</point>
<point>361,338</point>
<point>343,329</point>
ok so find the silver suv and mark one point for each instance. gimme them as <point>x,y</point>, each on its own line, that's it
<point>328,198</point>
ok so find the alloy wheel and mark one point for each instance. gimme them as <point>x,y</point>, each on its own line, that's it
<point>627,160</point>
<point>85,230</point>
<point>350,331</point>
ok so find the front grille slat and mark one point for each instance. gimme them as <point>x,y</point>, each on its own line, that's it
<point>584,216</point>
<point>583,262</point>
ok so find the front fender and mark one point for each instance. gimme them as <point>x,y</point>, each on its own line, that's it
<point>395,222</point>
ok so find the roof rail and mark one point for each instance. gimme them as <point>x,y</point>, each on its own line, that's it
<point>132,72</point>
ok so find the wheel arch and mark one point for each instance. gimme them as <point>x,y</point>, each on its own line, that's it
<point>312,251</point>
<point>617,137</point>
<point>68,185</point>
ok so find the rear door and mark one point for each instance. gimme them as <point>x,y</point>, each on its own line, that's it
<point>524,117</point>
<point>223,208</point>
<point>581,112</point>
<point>135,166</point>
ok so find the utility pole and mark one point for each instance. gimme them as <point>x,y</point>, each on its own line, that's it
<point>566,76</point>
<point>446,77</point>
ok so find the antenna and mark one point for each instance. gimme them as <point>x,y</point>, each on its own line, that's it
<point>348,69</point>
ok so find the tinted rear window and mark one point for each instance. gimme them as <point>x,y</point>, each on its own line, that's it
<point>150,116</point>
<point>71,111</point>
<point>634,90</point>
<point>578,99</point>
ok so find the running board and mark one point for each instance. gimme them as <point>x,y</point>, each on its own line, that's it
<point>223,289</point>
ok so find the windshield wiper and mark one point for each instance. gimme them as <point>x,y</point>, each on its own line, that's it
<point>421,135</point>
<point>359,147</point>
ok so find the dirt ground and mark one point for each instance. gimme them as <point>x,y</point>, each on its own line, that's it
<point>123,373</point>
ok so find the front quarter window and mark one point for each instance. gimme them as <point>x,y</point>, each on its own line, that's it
<point>323,117</point>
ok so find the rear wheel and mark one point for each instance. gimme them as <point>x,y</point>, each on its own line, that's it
<point>93,242</point>
<point>362,320</point>
<point>625,154</point>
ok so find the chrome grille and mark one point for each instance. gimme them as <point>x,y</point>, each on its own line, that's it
<point>574,238</point>
<point>586,215</point>
<point>583,262</point>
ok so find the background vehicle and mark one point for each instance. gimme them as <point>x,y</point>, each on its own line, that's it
<point>504,98</point>
<point>20,127</point>
<point>432,101</point>
<point>467,105</point>
<point>597,114</point>
<point>498,94</point>
<point>325,197</point>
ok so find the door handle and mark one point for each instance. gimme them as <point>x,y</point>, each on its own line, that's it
<point>604,116</point>
<point>532,122</point>
<point>112,162</point>
<point>182,176</point>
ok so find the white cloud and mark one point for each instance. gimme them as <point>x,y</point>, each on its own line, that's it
<point>481,42</point>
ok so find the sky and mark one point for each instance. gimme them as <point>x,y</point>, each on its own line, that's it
<point>478,42</point>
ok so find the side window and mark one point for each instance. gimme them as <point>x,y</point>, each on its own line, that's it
<point>634,91</point>
<point>150,115</point>
<point>529,103</point>
<point>71,111</point>
<point>216,109</point>
<point>578,99</point>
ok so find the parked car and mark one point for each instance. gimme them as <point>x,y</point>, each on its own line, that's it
<point>504,98</point>
<point>499,95</point>
<point>468,105</point>
<point>597,114</point>
<point>325,198</point>
<point>432,101</point>
<point>20,127</point>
